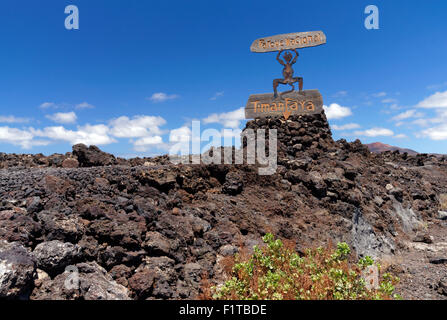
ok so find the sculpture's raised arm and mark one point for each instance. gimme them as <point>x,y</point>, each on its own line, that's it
<point>279,59</point>
<point>296,56</point>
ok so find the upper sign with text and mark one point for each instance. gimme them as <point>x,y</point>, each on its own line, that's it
<point>289,41</point>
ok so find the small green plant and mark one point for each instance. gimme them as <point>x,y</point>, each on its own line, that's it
<point>277,272</point>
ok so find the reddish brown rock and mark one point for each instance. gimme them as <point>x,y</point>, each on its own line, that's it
<point>70,163</point>
<point>141,283</point>
<point>92,156</point>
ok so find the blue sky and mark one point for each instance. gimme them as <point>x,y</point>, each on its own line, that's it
<point>137,72</point>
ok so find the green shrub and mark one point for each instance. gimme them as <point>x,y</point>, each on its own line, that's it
<point>277,272</point>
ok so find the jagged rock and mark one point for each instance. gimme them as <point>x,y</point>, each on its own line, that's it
<point>57,185</point>
<point>114,255</point>
<point>192,273</point>
<point>300,163</point>
<point>70,163</point>
<point>175,227</point>
<point>54,256</point>
<point>160,179</point>
<point>365,240</point>
<point>157,244</point>
<point>119,229</point>
<point>409,220</point>
<point>350,173</point>
<point>34,205</point>
<point>442,286</point>
<point>423,237</point>
<point>89,247</point>
<point>297,147</point>
<point>164,275</point>
<point>56,160</point>
<point>142,283</point>
<point>57,226</point>
<point>86,281</point>
<point>92,156</point>
<point>96,284</point>
<point>233,185</point>
<point>121,273</point>
<point>442,215</point>
<point>17,270</point>
<point>17,225</point>
<point>102,184</point>
<point>397,193</point>
<point>228,250</point>
<point>315,182</point>
<point>295,176</point>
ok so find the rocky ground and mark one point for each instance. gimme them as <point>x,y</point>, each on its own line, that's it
<point>87,225</point>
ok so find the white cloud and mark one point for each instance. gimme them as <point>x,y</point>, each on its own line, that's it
<point>437,100</point>
<point>145,143</point>
<point>137,127</point>
<point>441,117</point>
<point>438,122</point>
<point>395,106</point>
<point>182,134</point>
<point>52,105</point>
<point>436,133</point>
<point>18,137</point>
<point>63,118</point>
<point>348,126</point>
<point>13,119</point>
<point>179,140</point>
<point>335,111</point>
<point>400,136</point>
<point>408,114</point>
<point>379,94</point>
<point>217,95</point>
<point>421,122</point>
<point>15,136</point>
<point>88,134</point>
<point>230,119</point>
<point>375,132</point>
<point>389,100</point>
<point>162,97</point>
<point>47,105</point>
<point>84,105</point>
<point>145,128</point>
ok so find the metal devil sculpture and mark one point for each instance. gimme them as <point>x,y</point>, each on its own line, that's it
<point>288,102</point>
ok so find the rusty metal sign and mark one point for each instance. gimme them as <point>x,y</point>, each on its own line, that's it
<point>289,41</point>
<point>266,105</point>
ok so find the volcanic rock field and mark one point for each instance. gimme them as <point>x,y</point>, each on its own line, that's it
<point>88,225</point>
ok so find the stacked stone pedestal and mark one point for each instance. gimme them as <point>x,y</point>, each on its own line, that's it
<point>299,135</point>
